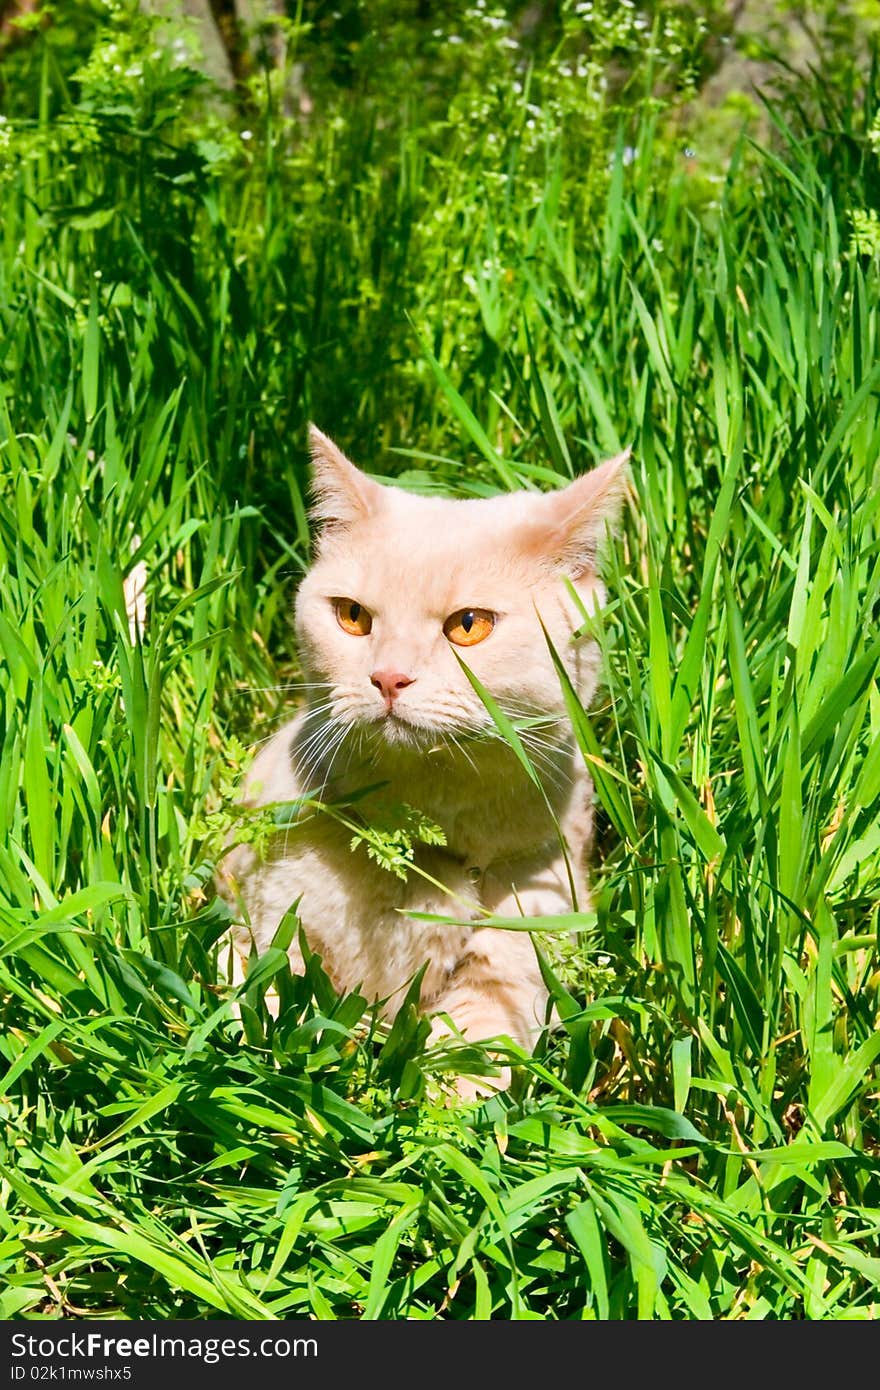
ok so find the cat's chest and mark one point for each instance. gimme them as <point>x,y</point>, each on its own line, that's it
<point>486,818</point>
<point>494,828</point>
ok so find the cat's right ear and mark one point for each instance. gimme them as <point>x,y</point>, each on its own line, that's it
<point>342,493</point>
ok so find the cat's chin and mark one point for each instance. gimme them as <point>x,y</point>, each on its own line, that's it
<point>402,734</point>
<point>395,732</point>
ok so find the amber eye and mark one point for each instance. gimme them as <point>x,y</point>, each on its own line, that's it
<point>469,626</point>
<point>352,617</point>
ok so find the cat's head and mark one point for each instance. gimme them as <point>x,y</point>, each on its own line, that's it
<point>405,588</point>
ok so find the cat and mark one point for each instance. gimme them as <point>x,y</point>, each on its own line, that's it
<point>405,592</point>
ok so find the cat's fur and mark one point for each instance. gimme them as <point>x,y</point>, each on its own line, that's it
<point>412,561</point>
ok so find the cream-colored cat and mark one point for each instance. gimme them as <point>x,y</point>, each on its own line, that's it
<point>405,589</point>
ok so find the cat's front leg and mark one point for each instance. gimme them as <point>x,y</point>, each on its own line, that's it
<point>494,991</point>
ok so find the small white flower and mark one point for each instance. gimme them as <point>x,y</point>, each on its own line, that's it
<point>134,590</point>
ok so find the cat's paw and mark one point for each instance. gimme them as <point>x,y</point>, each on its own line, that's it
<point>471,1087</point>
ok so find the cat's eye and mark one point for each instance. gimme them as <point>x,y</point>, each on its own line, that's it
<point>353,617</point>
<point>469,626</point>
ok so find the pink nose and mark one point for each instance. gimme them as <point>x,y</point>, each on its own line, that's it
<point>390,684</point>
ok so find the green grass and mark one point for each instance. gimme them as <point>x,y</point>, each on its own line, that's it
<point>699,1138</point>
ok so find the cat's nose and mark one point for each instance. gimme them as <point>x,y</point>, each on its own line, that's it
<point>389,684</point>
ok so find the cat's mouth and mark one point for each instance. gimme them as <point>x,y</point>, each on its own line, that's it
<point>404,728</point>
<point>397,727</point>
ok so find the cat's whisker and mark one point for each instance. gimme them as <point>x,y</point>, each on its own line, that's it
<point>542,729</point>
<point>528,719</point>
<point>333,731</point>
<point>543,753</point>
<point>550,746</point>
<point>331,753</point>
<point>526,709</point>
<point>283,688</point>
<point>310,752</point>
<point>561,770</point>
<point>548,766</point>
<point>547,739</point>
<point>557,731</point>
<point>315,710</point>
<point>310,755</point>
<point>309,765</point>
<point>305,747</point>
<point>281,719</point>
<point>313,713</point>
<point>449,737</point>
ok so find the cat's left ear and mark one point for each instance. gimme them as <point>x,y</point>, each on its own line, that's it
<point>573,521</point>
<point>342,493</point>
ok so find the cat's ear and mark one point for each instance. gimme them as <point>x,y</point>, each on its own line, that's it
<point>342,493</point>
<point>572,522</point>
